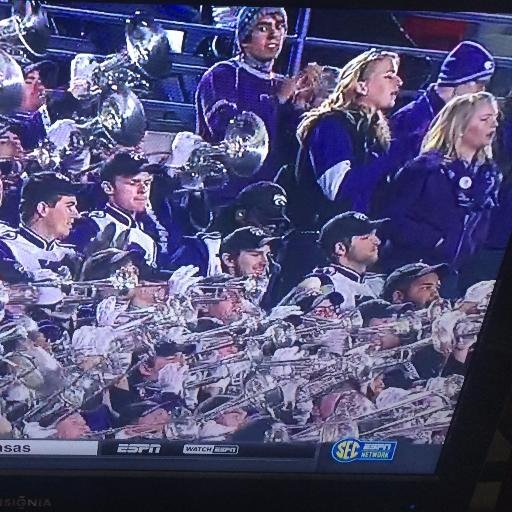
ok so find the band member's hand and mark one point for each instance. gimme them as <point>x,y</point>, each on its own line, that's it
<point>182,147</point>
<point>92,341</point>
<point>287,89</point>
<point>183,279</point>
<point>171,378</point>
<point>282,312</point>
<point>44,274</point>
<point>106,313</point>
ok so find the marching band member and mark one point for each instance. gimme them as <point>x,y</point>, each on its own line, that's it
<point>126,181</point>
<point>48,212</point>
<point>247,82</point>
<point>261,204</point>
<point>246,252</point>
<point>417,283</point>
<point>351,244</point>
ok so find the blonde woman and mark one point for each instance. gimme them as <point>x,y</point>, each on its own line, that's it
<point>440,202</point>
<point>343,139</point>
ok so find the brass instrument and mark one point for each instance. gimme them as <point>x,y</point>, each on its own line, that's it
<point>26,31</point>
<point>242,153</point>
<point>147,55</point>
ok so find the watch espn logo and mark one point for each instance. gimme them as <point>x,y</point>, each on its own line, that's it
<point>138,448</point>
<point>210,449</point>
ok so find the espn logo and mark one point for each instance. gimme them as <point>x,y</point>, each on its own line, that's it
<point>210,449</point>
<point>138,448</point>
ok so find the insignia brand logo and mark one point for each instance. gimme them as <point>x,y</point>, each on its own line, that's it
<point>138,448</point>
<point>24,503</point>
<point>489,64</point>
<point>350,450</point>
<point>210,449</point>
<point>360,216</point>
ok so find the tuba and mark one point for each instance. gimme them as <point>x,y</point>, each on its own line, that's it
<point>26,31</point>
<point>147,56</point>
<point>23,34</point>
<point>120,120</point>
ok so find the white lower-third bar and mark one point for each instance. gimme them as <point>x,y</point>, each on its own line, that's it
<point>47,447</point>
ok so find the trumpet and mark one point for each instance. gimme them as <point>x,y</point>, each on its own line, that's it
<point>76,292</point>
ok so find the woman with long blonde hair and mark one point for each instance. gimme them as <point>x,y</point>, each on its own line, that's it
<point>343,138</point>
<point>440,202</point>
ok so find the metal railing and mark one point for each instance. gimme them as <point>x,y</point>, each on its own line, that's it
<point>67,47</point>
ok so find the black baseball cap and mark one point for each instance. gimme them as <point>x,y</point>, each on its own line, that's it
<point>44,186</point>
<point>56,414</point>
<point>101,264</point>
<point>267,199</point>
<point>132,412</point>
<point>48,72</point>
<point>165,348</point>
<point>308,300</point>
<point>244,239</point>
<point>123,163</point>
<point>212,403</point>
<point>346,225</point>
<point>408,273</point>
<point>379,308</point>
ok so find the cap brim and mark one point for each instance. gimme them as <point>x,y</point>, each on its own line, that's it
<point>377,223</point>
<point>269,240</point>
<point>441,269</point>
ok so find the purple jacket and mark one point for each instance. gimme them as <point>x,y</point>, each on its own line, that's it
<point>340,165</point>
<point>227,89</point>
<point>440,210</point>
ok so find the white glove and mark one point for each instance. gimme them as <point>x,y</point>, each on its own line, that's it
<point>45,362</point>
<point>282,312</point>
<point>91,340</point>
<point>171,378</point>
<point>443,330</point>
<point>390,396</point>
<point>122,360</point>
<point>18,393</point>
<point>285,354</point>
<point>479,292</point>
<point>190,395</point>
<point>81,69</point>
<point>290,392</point>
<point>182,279</point>
<point>182,146</point>
<point>34,431</point>
<point>106,313</point>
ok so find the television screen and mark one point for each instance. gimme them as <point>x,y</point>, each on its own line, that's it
<point>245,238</point>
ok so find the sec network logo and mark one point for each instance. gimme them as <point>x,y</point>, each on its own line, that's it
<point>346,450</point>
<point>349,450</point>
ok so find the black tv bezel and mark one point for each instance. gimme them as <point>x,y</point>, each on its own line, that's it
<point>487,386</point>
